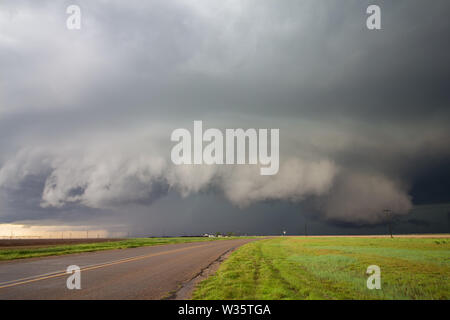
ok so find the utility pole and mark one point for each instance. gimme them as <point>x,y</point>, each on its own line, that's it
<point>448,222</point>
<point>388,214</point>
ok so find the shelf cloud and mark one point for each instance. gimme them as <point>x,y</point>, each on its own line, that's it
<point>86,115</point>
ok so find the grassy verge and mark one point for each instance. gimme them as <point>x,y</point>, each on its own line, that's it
<point>19,253</point>
<point>332,268</point>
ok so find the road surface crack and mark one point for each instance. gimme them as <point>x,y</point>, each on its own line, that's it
<point>184,291</point>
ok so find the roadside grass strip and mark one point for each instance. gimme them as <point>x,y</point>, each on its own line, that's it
<point>332,268</point>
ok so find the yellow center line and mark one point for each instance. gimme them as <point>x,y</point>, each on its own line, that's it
<point>107,264</point>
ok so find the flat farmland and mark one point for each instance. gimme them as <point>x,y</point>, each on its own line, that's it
<point>31,248</point>
<point>35,243</point>
<point>412,267</point>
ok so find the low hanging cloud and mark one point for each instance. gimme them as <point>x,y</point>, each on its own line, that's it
<point>101,176</point>
<point>102,179</point>
<point>362,198</point>
<point>296,180</point>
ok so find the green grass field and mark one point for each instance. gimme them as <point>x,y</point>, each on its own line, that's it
<point>332,268</point>
<point>19,253</point>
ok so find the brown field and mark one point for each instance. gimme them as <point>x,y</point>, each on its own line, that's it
<point>34,243</point>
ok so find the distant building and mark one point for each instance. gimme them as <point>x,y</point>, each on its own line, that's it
<point>209,235</point>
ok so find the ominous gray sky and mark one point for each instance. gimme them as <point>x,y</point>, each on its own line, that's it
<point>86,115</point>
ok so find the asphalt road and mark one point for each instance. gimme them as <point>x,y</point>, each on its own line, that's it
<point>137,273</point>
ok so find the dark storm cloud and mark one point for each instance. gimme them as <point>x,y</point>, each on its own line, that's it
<point>363,114</point>
<point>23,203</point>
